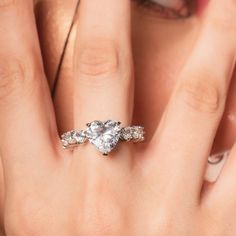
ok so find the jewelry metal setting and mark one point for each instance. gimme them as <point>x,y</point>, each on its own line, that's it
<point>217,158</point>
<point>103,135</point>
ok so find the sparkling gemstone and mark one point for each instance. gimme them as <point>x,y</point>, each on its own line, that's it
<point>64,143</point>
<point>134,133</point>
<point>67,139</point>
<point>138,133</point>
<point>66,135</point>
<point>79,137</point>
<point>104,135</point>
<point>127,134</point>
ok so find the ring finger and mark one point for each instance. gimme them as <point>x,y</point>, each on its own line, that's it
<point>103,75</point>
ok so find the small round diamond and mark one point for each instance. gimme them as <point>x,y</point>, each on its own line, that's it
<point>72,138</point>
<point>67,139</point>
<point>134,133</point>
<point>64,143</point>
<point>126,134</point>
<point>79,137</point>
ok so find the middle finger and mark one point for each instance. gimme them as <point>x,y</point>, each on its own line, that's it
<point>103,66</point>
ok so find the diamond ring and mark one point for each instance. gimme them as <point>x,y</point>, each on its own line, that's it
<point>103,135</point>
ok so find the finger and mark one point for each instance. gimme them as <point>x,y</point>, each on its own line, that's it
<point>189,125</point>
<point>58,56</point>
<point>26,122</point>
<point>103,85</point>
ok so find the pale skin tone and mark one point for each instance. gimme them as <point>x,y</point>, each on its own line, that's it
<point>149,189</point>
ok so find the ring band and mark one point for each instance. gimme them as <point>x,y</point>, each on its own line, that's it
<point>217,158</point>
<point>103,135</point>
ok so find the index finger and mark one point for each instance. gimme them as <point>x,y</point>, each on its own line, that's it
<point>27,120</point>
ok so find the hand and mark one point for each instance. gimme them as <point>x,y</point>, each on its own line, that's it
<point>150,189</point>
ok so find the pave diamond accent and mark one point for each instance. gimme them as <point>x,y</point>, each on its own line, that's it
<point>133,133</point>
<point>73,138</point>
<point>104,135</point>
<point>79,136</point>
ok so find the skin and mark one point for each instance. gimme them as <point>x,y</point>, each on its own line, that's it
<point>189,40</point>
<point>149,63</point>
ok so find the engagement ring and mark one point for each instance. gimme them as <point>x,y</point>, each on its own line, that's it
<point>103,135</point>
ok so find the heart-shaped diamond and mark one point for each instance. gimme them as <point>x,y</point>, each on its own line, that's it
<point>104,135</point>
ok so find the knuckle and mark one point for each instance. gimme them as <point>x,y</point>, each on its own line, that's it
<point>15,76</point>
<point>202,95</point>
<point>11,75</point>
<point>98,59</point>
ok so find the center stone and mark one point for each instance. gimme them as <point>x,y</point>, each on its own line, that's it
<point>104,135</point>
